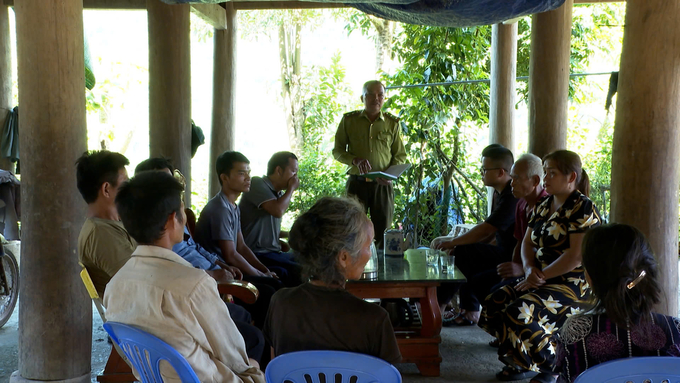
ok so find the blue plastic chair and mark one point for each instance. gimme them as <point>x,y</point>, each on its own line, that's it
<point>145,352</point>
<point>352,367</point>
<point>654,369</point>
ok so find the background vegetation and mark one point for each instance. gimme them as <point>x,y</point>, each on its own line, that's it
<point>444,127</point>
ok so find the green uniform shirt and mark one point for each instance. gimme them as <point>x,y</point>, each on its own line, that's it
<point>379,141</point>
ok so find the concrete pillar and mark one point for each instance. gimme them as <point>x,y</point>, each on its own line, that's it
<point>55,313</point>
<point>549,79</point>
<point>5,78</point>
<point>170,85</point>
<point>646,148</point>
<point>503,88</point>
<point>222,135</point>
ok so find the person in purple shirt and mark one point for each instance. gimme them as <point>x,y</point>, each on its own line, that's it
<point>526,185</point>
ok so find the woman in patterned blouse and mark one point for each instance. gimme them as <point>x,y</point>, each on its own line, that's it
<point>525,318</point>
<point>622,272</point>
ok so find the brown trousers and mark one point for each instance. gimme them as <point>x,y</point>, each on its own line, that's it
<point>378,201</point>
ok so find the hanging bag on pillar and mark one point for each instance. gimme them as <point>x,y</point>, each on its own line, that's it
<point>9,143</point>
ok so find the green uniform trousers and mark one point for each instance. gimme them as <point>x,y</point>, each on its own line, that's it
<point>378,200</point>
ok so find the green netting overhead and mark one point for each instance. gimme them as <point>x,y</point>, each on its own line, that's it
<point>456,13</point>
<point>445,13</point>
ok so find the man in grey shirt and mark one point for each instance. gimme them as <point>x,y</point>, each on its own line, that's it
<point>218,228</point>
<point>261,210</point>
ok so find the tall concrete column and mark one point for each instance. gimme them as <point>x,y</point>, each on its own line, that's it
<point>646,148</point>
<point>55,313</point>
<point>5,78</point>
<point>170,85</point>
<point>549,79</point>
<point>222,135</point>
<point>503,89</point>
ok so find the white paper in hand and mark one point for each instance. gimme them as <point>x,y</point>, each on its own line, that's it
<point>391,173</point>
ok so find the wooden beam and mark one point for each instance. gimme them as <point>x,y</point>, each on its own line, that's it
<point>104,4</point>
<point>253,5</point>
<point>242,5</point>
<point>212,14</point>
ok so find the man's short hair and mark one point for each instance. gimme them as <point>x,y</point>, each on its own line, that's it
<point>145,202</point>
<point>225,162</point>
<point>279,159</point>
<point>534,164</point>
<point>94,168</point>
<point>155,163</point>
<point>500,155</point>
<point>369,84</point>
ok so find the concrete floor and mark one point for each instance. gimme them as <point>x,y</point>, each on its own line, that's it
<point>9,335</point>
<point>467,356</point>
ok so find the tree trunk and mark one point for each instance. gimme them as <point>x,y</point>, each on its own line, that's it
<point>383,44</point>
<point>289,52</point>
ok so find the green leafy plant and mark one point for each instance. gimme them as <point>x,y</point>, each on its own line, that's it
<point>328,97</point>
<point>438,125</point>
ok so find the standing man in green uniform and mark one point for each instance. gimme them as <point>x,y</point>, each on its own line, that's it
<point>369,140</point>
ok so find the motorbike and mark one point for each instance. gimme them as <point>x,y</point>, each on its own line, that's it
<point>9,284</point>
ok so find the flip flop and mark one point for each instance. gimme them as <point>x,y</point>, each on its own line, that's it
<point>509,373</point>
<point>449,318</point>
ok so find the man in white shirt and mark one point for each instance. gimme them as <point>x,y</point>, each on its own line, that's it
<point>161,293</point>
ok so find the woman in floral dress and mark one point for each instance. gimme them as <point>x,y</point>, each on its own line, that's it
<point>621,269</point>
<point>525,318</point>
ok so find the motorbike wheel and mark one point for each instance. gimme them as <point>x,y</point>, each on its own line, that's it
<point>9,285</point>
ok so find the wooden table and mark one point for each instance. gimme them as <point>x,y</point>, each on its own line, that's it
<point>419,343</point>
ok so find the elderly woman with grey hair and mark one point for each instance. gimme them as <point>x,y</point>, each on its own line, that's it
<point>332,243</point>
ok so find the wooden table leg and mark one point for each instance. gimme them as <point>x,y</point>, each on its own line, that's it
<point>431,316</point>
<point>428,369</point>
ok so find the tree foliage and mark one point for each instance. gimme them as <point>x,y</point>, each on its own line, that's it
<point>438,123</point>
<point>442,126</point>
<point>328,96</point>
